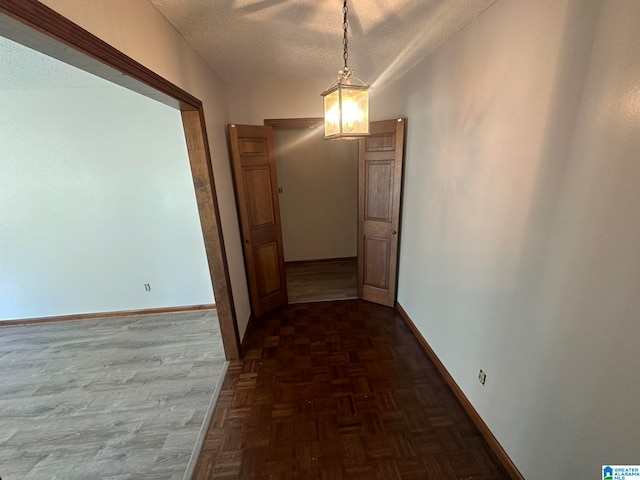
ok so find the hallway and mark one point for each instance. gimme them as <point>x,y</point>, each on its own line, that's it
<point>339,390</point>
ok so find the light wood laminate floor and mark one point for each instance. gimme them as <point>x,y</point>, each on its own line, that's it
<point>116,398</point>
<point>322,281</point>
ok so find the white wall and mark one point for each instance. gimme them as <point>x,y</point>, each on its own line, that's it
<point>256,101</point>
<point>97,200</point>
<point>319,199</point>
<point>253,102</point>
<point>521,224</point>
<point>141,32</point>
<point>520,236</point>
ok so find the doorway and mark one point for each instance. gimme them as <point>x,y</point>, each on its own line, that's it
<point>380,157</point>
<point>37,26</point>
<point>318,194</point>
<point>98,363</point>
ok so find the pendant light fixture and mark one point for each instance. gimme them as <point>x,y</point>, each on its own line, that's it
<point>346,101</point>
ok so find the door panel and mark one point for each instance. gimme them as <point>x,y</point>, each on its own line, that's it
<point>380,160</point>
<point>376,268</point>
<point>253,146</point>
<point>381,142</point>
<point>379,190</point>
<point>256,188</point>
<point>266,260</point>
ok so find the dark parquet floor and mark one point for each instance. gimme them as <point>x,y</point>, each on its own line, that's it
<point>339,391</point>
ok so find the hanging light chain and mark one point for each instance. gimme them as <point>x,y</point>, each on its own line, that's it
<point>346,101</point>
<point>345,72</point>
<point>345,40</point>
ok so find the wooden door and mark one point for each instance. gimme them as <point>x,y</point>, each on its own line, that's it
<point>256,186</point>
<point>380,159</point>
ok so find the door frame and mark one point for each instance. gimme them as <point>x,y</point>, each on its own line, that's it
<point>35,25</point>
<point>294,123</point>
<point>297,124</point>
<point>317,122</point>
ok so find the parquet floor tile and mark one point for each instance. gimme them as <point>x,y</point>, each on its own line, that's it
<point>339,391</point>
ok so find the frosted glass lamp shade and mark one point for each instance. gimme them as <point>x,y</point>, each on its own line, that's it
<point>346,110</point>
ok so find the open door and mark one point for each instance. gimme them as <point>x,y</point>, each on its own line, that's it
<point>256,187</point>
<point>380,159</point>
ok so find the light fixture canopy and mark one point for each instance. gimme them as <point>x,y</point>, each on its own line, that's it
<point>346,101</point>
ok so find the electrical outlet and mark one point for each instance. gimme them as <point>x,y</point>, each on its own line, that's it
<point>482,377</point>
<point>147,287</point>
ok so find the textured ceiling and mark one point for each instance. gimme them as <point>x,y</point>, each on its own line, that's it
<point>247,39</point>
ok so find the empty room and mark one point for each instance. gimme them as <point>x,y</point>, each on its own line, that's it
<point>149,220</point>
